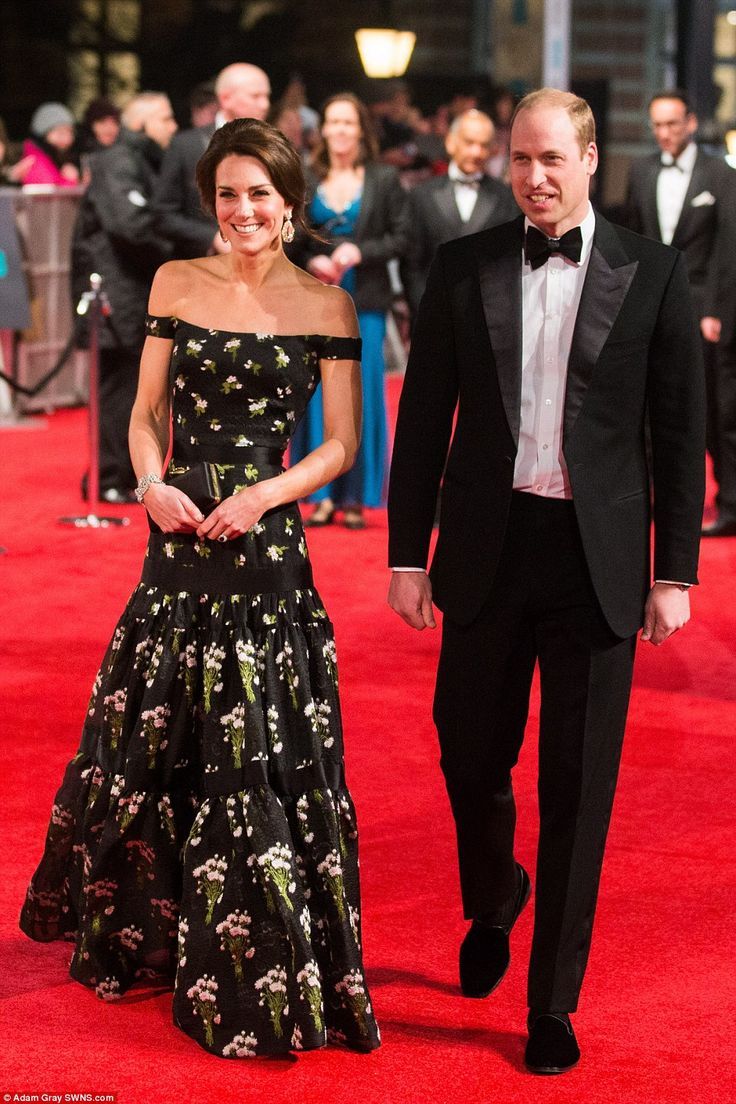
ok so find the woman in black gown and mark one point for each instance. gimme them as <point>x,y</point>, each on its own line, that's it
<point>204,827</point>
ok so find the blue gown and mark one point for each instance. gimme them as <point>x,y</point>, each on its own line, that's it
<point>364,484</point>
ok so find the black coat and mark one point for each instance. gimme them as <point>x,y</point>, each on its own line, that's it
<point>381,234</point>
<point>635,349</point>
<point>702,232</point>
<point>434,218</point>
<point>114,235</point>
<point>179,215</point>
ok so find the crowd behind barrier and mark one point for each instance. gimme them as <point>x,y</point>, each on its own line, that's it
<point>40,367</point>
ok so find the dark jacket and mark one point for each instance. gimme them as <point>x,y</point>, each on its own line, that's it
<point>381,234</point>
<point>708,210</point>
<point>434,219</point>
<point>176,203</point>
<point>635,352</point>
<point>114,235</point>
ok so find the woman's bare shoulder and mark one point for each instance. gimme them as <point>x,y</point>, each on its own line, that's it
<point>330,309</point>
<point>175,281</point>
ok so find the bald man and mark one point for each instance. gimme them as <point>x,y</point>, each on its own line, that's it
<point>243,91</point>
<point>464,201</point>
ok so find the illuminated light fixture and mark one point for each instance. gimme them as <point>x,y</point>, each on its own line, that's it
<point>731,148</point>
<point>385,52</point>
<point>731,18</point>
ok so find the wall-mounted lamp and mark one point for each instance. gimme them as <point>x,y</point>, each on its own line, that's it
<point>385,51</point>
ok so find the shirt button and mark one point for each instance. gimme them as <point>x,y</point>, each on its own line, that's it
<point>547,402</point>
<point>540,487</point>
<point>545,446</point>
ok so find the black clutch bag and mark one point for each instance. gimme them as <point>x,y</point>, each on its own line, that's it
<point>201,483</point>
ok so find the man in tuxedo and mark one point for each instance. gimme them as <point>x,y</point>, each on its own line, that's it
<point>243,91</point>
<point>687,198</point>
<point>549,339</point>
<point>464,201</point>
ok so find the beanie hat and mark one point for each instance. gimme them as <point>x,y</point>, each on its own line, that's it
<point>48,116</point>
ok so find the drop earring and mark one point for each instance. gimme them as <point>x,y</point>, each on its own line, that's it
<point>287,230</point>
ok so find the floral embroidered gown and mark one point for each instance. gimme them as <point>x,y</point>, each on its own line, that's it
<point>204,826</point>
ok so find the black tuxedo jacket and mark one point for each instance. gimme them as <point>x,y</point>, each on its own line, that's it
<point>635,350</point>
<point>381,233</point>
<point>707,212</point>
<point>176,203</point>
<point>434,218</point>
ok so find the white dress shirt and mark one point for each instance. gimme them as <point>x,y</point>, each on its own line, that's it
<point>550,296</point>
<point>672,184</point>
<point>466,190</point>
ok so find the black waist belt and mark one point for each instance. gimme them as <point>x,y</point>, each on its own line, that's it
<point>226,453</point>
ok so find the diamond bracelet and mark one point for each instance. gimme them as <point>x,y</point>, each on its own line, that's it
<point>144,483</point>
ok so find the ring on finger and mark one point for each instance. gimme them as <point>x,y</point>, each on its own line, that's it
<point>222,538</point>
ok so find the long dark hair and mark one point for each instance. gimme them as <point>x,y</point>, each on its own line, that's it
<point>368,151</point>
<point>253,138</point>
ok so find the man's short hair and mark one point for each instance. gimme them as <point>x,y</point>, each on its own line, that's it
<point>673,94</point>
<point>576,107</point>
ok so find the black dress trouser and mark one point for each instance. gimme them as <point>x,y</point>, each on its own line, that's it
<point>118,385</point>
<point>542,607</point>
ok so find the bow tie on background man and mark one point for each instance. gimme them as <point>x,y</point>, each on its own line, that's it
<point>471,179</point>
<point>538,248</point>
<point>670,162</point>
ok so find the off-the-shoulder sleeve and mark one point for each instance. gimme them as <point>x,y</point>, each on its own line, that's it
<point>339,348</point>
<point>160,326</point>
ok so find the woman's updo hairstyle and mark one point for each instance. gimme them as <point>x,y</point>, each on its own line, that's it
<point>253,138</point>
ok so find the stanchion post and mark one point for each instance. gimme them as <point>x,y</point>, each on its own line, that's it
<point>96,305</point>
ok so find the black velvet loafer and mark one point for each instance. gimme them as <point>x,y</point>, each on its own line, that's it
<point>552,1046</point>
<point>484,952</point>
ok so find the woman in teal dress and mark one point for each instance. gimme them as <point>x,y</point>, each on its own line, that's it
<point>204,830</point>
<point>359,206</point>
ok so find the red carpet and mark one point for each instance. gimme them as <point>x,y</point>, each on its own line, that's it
<point>657,1015</point>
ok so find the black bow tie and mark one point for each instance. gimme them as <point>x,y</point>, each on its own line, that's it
<point>670,162</point>
<point>538,248</point>
<point>471,180</point>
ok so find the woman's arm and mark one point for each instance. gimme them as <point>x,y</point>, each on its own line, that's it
<point>150,431</point>
<point>342,412</point>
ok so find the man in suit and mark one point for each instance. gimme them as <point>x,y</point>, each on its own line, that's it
<point>114,235</point>
<point>243,91</point>
<point>687,198</point>
<point>552,335</point>
<point>464,201</point>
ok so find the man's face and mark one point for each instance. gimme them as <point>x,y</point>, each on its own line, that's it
<point>550,175</point>
<point>470,146</point>
<point>160,124</point>
<point>672,125</point>
<point>249,98</point>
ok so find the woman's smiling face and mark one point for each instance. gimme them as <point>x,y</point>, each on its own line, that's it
<point>248,207</point>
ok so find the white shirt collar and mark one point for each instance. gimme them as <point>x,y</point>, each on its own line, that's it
<point>587,230</point>
<point>455,173</point>
<point>686,160</point>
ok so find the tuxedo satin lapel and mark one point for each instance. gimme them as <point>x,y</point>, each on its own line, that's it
<point>651,196</point>
<point>698,183</point>
<point>484,206</point>
<point>500,288</point>
<point>444,199</point>
<point>607,283</point>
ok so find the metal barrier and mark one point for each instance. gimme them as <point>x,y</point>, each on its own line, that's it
<point>44,217</point>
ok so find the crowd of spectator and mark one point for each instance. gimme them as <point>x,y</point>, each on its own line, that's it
<point>370,171</point>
